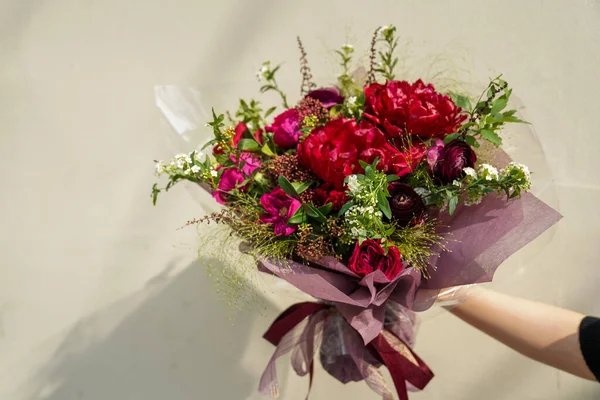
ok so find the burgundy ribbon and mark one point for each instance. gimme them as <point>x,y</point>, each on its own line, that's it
<point>401,368</point>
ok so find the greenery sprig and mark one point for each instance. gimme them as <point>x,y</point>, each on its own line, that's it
<point>267,74</point>
<point>488,116</point>
<point>388,60</point>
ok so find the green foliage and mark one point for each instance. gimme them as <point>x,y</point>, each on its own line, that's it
<point>216,124</point>
<point>488,116</point>
<point>268,74</point>
<point>250,113</point>
<point>345,80</point>
<point>418,244</point>
<point>387,59</point>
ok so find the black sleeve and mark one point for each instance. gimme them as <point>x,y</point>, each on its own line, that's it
<point>589,339</point>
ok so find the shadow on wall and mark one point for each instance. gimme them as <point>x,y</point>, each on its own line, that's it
<point>171,341</point>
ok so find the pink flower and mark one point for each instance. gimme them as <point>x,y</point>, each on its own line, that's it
<point>230,179</point>
<point>279,209</point>
<point>248,161</point>
<point>286,129</point>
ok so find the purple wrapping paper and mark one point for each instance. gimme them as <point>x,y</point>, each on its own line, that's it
<point>480,238</point>
<point>360,301</point>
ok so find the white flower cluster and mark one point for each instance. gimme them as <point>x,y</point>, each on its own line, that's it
<point>386,30</point>
<point>470,173</point>
<point>348,48</point>
<point>361,191</point>
<point>357,216</point>
<point>488,172</point>
<point>518,172</point>
<point>260,74</point>
<point>182,165</point>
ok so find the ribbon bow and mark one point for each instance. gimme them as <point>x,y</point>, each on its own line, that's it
<point>404,365</point>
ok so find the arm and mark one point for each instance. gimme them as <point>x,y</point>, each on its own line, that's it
<point>542,332</point>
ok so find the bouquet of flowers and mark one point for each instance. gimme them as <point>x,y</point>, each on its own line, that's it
<point>361,195</point>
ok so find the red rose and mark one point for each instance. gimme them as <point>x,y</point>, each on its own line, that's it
<point>370,256</point>
<point>400,108</point>
<point>332,151</point>
<point>337,198</point>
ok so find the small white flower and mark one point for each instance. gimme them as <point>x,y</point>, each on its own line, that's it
<point>187,171</point>
<point>456,183</point>
<point>159,168</point>
<point>470,172</point>
<point>351,100</point>
<point>179,164</point>
<point>200,154</point>
<point>195,169</point>
<point>488,172</point>
<point>214,173</point>
<point>188,159</point>
<point>353,185</point>
<point>347,47</point>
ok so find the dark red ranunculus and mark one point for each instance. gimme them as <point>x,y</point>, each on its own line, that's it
<point>324,195</point>
<point>370,256</point>
<point>452,159</point>
<point>329,97</point>
<point>406,205</point>
<point>286,129</point>
<point>332,151</point>
<point>400,108</point>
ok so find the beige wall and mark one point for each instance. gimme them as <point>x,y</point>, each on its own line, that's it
<point>99,295</point>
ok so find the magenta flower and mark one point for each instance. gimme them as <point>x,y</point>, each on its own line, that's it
<point>286,129</point>
<point>248,161</point>
<point>279,209</point>
<point>230,179</point>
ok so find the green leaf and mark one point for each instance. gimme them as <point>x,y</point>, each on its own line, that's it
<point>287,187</point>
<point>491,137</point>
<point>499,105</point>
<point>345,208</point>
<point>392,178</point>
<point>326,209</point>
<point>298,218</point>
<point>363,164</point>
<point>222,159</point>
<point>155,192</point>
<point>248,145</point>
<point>266,150</point>
<point>301,186</point>
<point>451,137</point>
<point>471,141</point>
<point>452,203</point>
<point>270,111</point>
<point>314,212</point>
<point>369,172</point>
<point>209,143</point>
<point>461,101</point>
<point>384,204</point>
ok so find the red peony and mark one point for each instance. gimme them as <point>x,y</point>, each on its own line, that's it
<point>400,108</point>
<point>332,151</point>
<point>370,256</point>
